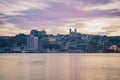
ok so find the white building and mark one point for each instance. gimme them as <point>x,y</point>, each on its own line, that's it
<point>32,42</point>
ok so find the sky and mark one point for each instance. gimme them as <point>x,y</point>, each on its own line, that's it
<point>98,17</point>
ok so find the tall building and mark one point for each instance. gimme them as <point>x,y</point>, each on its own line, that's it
<point>36,41</point>
<point>32,42</point>
<point>38,33</point>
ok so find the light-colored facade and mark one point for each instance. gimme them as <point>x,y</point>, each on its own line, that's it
<point>32,42</point>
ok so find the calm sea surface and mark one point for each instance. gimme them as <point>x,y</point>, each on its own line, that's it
<point>59,66</point>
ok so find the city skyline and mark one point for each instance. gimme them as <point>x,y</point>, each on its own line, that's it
<point>99,17</point>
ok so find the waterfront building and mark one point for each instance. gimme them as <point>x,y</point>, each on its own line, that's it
<point>37,33</point>
<point>32,43</point>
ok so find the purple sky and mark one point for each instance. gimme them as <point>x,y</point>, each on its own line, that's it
<point>58,16</point>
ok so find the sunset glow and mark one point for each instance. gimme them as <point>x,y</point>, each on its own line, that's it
<point>99,17</point>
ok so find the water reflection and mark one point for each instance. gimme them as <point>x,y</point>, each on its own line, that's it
<point>59,67</point>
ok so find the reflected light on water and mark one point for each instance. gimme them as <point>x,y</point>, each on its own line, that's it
<point>59,67</point>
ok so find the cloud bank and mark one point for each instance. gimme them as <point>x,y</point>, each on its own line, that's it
<point>100,17</point>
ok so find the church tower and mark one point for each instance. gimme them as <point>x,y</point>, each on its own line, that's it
<point>70,31</point>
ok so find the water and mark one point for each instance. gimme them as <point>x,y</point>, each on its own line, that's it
<point>59,66</point>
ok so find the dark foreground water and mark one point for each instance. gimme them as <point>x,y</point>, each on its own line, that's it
<point>59,66</point>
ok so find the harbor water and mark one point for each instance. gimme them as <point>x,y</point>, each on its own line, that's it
<point>25,66</point>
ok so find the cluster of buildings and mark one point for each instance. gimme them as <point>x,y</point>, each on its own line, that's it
<point>33,40</point>
<point>74,42</point>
